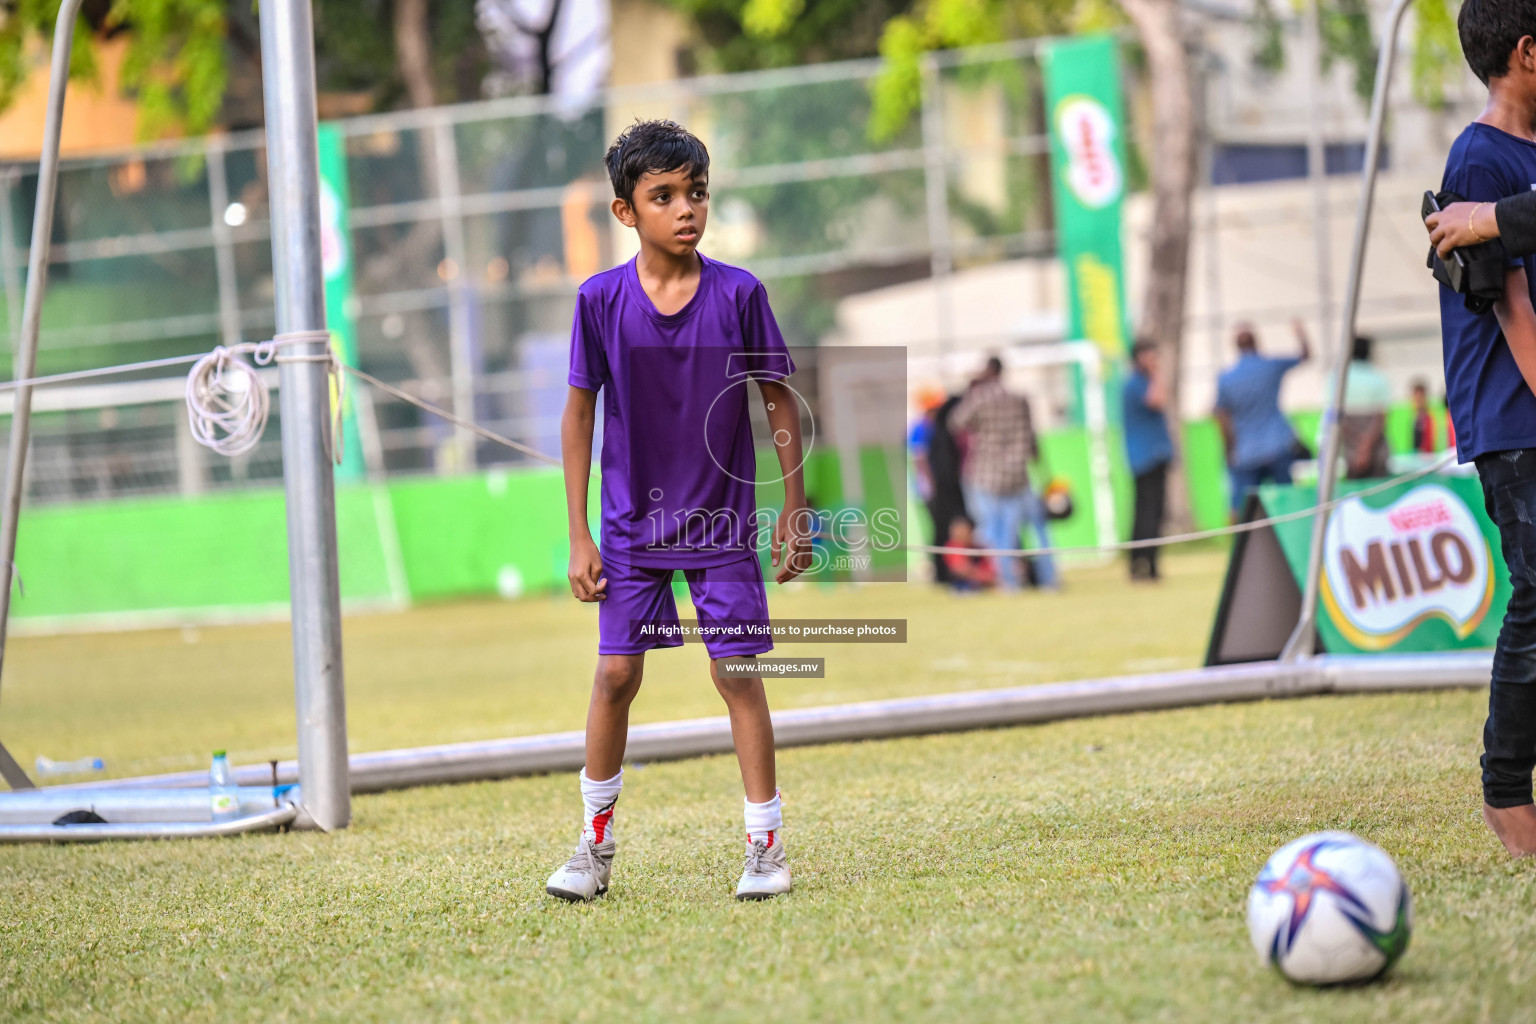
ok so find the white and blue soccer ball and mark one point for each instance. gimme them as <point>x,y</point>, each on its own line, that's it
<point>1330,908</point>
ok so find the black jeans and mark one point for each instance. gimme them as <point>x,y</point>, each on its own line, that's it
<point>1509,737</point>
<point>1151,500</point>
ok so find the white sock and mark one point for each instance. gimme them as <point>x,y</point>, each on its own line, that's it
<point>598,799</point>
<point>764,820</point>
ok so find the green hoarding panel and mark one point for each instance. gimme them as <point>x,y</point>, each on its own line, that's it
<point>495,532</point>
<point>1414,568</point>
<point>168,555</point>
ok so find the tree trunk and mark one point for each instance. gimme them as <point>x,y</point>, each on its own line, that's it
<point>1173,182</point>
<point>413,48</point>
<point>415,251</point>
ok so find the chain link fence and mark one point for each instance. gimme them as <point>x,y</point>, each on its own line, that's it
<point>471,228</point>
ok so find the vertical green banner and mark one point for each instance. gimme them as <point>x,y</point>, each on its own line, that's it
<point>340,298</point>
<point>1082,87</point>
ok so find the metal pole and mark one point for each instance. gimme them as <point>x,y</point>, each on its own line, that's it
<point>8,258</point>
<point>25,365</point>
<point>288,62</point>
<point>223,242</point>
<point>1303,641</point>
<point>1317,167</point>
<point>460,345</point>
<point>941,260</point>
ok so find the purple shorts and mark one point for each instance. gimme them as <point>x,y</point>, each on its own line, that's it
<point>731,602</point>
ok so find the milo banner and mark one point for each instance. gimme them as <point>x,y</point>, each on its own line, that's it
<point>1413,568</point>
<point>336,263</point>
<point>1082,88</point>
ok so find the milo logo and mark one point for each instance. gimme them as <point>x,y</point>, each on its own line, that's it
<point>1387,570</point>
<point>1087,134</point>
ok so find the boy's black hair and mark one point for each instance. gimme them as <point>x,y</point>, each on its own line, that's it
<point>1360,351</point>
<point>1142,345</point>
<point>652,147</point>
<point>1490,30</point>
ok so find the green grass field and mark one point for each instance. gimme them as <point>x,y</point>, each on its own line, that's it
<point>1082,871</point>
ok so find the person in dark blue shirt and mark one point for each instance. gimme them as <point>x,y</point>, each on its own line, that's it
<point>1258,439</point>
<point>1148,449</point>
<point>1490,369</point>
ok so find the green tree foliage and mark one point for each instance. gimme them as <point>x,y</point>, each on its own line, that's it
<point>180,54</point>
<point>355,50</point>
<point>744,35</point>
<point>1348,35</point>
<point>945,24</point>
<point>175,65</point>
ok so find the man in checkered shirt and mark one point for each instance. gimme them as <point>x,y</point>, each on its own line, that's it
<point>995,475</point>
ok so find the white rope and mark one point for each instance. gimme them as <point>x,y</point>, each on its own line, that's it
<point>1185,538</point>
<point>227,401</point>
<point>228,405</point>
<point>474,428</point>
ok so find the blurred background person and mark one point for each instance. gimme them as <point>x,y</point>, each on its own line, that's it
<point>1258,439</point>
<point>1424,440</point>
<point>936,468</point>
<point>995,474</point>
<point>1148,450</point>
<point>967,572</point>
<point>1363,425</point>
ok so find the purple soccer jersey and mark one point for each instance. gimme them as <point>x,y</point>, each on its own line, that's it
<point>678,467</point>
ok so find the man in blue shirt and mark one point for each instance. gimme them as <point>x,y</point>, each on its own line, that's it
<point>1490,373</point>
<point>1148,449</point>
<point>1259,441</point>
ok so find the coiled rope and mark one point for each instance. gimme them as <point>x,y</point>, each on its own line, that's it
<point>228,403</point>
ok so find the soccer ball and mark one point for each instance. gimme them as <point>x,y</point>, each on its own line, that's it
<point>1329,908</point>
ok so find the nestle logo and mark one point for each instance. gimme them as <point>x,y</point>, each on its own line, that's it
<point>1423,516</point>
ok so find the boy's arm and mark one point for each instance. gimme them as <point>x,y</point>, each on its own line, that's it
<point>1517,319</point>
<point>792,531</point>
<point>586,566</point>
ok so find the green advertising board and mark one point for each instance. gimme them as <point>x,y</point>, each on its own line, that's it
<point>1414,568</point>
<point>340,299</point>
<point>1082,88</point>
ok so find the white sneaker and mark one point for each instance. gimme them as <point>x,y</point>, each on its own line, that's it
<point>766,874</point>
<point>586,874</point>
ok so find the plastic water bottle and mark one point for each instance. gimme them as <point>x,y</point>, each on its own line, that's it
<point>224,793</point>
<point>47,766</point>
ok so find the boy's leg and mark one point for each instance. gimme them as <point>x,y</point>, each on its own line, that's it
<point>746,702</point>
<point>1509,736</point>
<point>613,690</point>
<point>733,596</point>
<point>637,596</point>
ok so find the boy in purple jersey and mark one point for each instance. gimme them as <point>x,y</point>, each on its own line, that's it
<point>673,340</point>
